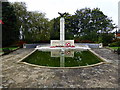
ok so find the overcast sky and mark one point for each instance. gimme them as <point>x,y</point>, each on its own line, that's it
<point>52,7</point>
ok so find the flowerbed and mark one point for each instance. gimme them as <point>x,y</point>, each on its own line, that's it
<point>66,45</point>
<point>60,46</point>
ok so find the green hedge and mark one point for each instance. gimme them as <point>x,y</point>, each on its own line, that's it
<point>115,44</point>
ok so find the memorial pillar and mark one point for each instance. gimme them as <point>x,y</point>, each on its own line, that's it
<point>62,32</point>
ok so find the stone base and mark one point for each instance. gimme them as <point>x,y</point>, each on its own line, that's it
<point>59,43</point>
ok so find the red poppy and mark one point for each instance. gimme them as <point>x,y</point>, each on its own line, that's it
<point>68,44</point>
<point>52,46</point>
<point>1,22</point>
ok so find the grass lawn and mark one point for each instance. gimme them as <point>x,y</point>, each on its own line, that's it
<point>11,48</point>
<point>114,48</point>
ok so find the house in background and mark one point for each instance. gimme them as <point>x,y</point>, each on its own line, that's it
<point>117,35</point>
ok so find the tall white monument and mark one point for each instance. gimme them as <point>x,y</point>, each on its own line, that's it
<point>62,41</point>
<point>62,31</point>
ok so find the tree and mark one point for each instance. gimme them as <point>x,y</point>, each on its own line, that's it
<point>10,32</point>
<point>38,27</point>
<point>90,22</point>
<point>21,13</point>
<point>106,38</point>
<point>55,29</point>
<point>85,24</point>
<point>33,25</point>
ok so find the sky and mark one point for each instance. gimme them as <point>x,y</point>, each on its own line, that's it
<point>52,7</point>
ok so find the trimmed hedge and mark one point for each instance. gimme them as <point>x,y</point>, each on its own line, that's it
<point>115,44</point>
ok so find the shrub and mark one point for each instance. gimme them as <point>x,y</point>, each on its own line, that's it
<point>76,41</point>
<point>118,50</point>
<point>20,43</point>
<point>6,51</point>
<point>86,41</point>
<point>115,44</point>
<point>116,40</point>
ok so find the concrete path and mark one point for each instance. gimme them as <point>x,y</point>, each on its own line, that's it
<point>16,75</point>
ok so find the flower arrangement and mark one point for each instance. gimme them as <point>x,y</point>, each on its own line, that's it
<point>66,45</point>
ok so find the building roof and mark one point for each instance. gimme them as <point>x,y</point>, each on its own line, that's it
<point>118,35</point>
<point>117,32</point>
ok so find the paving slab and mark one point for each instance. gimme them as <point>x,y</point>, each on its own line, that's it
<point>19,75</point>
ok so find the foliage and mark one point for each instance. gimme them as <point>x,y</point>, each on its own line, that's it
<point>114,48</point>
<point>38,28</point>
<point>118,51</point>
<point>86,41</point>
<point>106,38</point>
<point>34,26</point>
<point>115,44</point>
<point>20,11</point>
<point>86,24</point>
<point>115,40</point>
<point>91,23</point>
<point>20,43</point>
<point>10,32</point>
<point>55,29</point>
<point>6,51</point>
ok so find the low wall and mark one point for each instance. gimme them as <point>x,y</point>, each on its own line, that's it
<point>30,45</point>
<point>34,45</point>
<point>92,45</point>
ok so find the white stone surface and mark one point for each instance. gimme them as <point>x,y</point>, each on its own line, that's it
<point>58,42</point>
<point>100,45</point>
<point>55,42</point>
<point>62,31</point>
<point>59,48</point>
